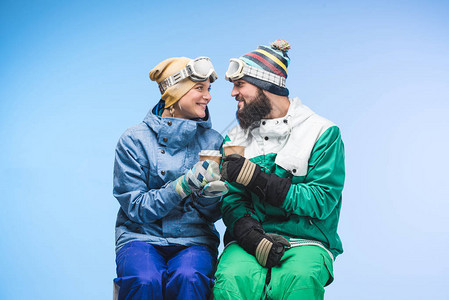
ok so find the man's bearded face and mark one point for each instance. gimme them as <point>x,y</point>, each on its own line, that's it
<point>253,109</point>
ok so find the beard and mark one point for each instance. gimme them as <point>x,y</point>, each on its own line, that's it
<point>251,113</point>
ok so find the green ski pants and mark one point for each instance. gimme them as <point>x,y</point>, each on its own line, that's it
<point>303,273</point>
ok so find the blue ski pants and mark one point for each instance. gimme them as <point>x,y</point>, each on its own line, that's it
<point>146,271</point>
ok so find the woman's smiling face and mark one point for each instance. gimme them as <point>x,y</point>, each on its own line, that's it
<point>193,104</point>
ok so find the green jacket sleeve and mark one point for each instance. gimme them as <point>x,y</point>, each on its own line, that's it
<point>236,204</point>
<point>321,190</point>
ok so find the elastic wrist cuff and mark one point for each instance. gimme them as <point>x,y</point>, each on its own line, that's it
<point>247,172</point>
<point>262,251</point>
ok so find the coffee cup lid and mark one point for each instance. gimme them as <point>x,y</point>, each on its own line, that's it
<point>210,153</point>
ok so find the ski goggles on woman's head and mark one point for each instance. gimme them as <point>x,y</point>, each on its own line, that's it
<point>198,70</point>
<point>238,68</point>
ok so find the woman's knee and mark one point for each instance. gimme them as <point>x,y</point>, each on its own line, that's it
<point>138,286</point>
<point>187,275</point>
<point>148,279</point>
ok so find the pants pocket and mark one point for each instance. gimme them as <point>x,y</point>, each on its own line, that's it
<point>329,267</point>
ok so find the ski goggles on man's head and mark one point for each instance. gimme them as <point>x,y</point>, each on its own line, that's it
<point>198,70</point>
<point>238,68</point>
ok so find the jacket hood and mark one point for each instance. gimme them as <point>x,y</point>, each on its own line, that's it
<point>297,112</point>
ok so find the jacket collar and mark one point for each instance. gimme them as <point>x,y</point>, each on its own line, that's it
<point>297,113</point>
<point>175,132</point>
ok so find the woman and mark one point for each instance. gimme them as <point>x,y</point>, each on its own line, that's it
<point>166,241</point>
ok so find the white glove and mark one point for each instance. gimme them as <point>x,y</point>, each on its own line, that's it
<point>214,189</point>
<point>197,178</point>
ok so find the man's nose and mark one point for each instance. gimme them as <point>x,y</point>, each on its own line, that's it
<point>234,92</point>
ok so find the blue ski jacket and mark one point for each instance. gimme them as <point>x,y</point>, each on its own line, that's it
<point>148,157</point>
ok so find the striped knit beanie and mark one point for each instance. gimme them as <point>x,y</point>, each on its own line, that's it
<point>273,59</point>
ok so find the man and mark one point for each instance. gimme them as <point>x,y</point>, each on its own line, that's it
<point>284,197</point>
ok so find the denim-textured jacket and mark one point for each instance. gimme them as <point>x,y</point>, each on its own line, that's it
<point>148,157</point>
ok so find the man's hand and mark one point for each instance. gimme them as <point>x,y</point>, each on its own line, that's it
<point>270,250</point>
<point>238,169</point>
<point>270,188</point>
<point>267,248</point>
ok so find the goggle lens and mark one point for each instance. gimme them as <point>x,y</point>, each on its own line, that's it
<point>233,68</point>
<point>200,69</point>
<point>203,67</point>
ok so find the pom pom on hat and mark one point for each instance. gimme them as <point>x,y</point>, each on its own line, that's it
<point>282,45</point>
<point>167,68</point>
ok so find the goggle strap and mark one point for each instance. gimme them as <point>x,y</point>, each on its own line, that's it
<point>184,73</point>
<point>264,75</point>
<point>174,79</point>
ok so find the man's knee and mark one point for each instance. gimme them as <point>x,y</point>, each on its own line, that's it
<point>306,278</point>
<point>297,284</point>
<point>233,271</point>
<point>300,280</point>
<point>239,275</point>
<point>236,262</point>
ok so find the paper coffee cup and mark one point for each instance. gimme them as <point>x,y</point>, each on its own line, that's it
<point>214,155</point>
<point>234,150</point>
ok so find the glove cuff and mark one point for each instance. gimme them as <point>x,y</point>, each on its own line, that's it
<point>181,187</point>
<point>246,172</point>
<point>262,251</point>
<point>270,188</point>
<point>258,183</point>
<point>248,233</point>
<point>268,250</point>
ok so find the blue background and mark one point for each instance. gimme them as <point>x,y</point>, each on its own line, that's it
<point>74,76</point>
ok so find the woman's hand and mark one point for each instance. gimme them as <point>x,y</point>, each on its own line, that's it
<point>214,189</point>
<point>202,173</point>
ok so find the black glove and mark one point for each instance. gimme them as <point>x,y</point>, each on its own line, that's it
<point>268,187</point>
<point>267,248</point>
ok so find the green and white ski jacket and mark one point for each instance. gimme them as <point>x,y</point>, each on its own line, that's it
<point>307,148</point>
